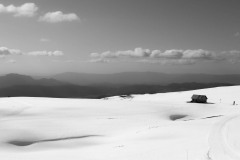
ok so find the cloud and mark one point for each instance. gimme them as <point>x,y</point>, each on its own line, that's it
<point>58,16</point>
<point>157,56</point>
<point>100,60</point>
<point>136,53</point>
<point>45,53</point>
<point>11,61</point>
<point>4,51</point>
<point>2,56</point>
<point>168,54</point>
<point>232,56</point>
<point>63,61</point>
<point>168,61</point>
<point>30,10</point>
<point>25,10</point>
<point>172,56</point>
<point>237,34</point>
<point>44,40</point>
<point>198,54</point>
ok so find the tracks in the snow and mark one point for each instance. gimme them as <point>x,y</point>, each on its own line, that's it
<point>221,147</point>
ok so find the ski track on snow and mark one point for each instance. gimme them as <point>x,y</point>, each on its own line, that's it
<point>221,148</point>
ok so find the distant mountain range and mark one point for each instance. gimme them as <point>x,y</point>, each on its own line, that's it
<point>17,79</point>
<point>147,78</point>
<point>75,85</point>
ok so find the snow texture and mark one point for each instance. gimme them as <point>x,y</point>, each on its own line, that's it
<point>144,127</point>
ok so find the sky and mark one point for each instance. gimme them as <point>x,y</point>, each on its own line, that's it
<point>46,37</point>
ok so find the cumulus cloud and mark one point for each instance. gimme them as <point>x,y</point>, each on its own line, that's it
<point>168,54</point>
<point>156,56</point>
<point>45,53</point>
<point>100,60</point>
<point>58,16</point>
<point>232,56</point>
<point>4,51</point>
<point>199,54</point>
<point>136,53</point>
<point>172,56</point>
<point>25,10</point>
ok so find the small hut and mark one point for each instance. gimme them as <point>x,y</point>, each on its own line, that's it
<point>199,98</point>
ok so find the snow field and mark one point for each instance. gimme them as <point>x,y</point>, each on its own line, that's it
<point>159,126</point>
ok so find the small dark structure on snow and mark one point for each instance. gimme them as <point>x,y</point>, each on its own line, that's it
<point>199,98</point>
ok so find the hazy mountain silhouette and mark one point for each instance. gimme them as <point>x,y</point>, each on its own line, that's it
<point>17,79</point>
<point>13,85</point>
<point>147,78</point>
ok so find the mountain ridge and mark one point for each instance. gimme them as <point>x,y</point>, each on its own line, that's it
<point>18,79</point>
<point>143,78</point>
<point>16,85</point>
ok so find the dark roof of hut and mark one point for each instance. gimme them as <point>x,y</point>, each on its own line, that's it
<point>196,96</point>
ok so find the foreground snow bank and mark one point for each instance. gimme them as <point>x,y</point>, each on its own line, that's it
<point>225,139</point>
<point>158,126</point>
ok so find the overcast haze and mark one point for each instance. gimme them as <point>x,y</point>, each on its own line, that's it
<point>106,36</point>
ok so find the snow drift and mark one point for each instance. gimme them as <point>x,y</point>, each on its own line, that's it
<point>158,126</point>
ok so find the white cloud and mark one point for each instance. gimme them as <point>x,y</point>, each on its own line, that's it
<point>93,55</point>
<point>11,61</point>
<point>232,56</point>
<point>4,51</point>
<point>100,60</point>
<point>168,54</point>
<point>64,61</point>
<point>168,61</point>
<point>237,34</point>
<point>172,56</point>
<point>58,16</point>
<point>44,40</point>
<point>136,53</point>
<point>25,10</point>
<point>45,53</point>
<point>198,54</point>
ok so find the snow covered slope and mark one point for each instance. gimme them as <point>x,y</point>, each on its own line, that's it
<point>145,127</point>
